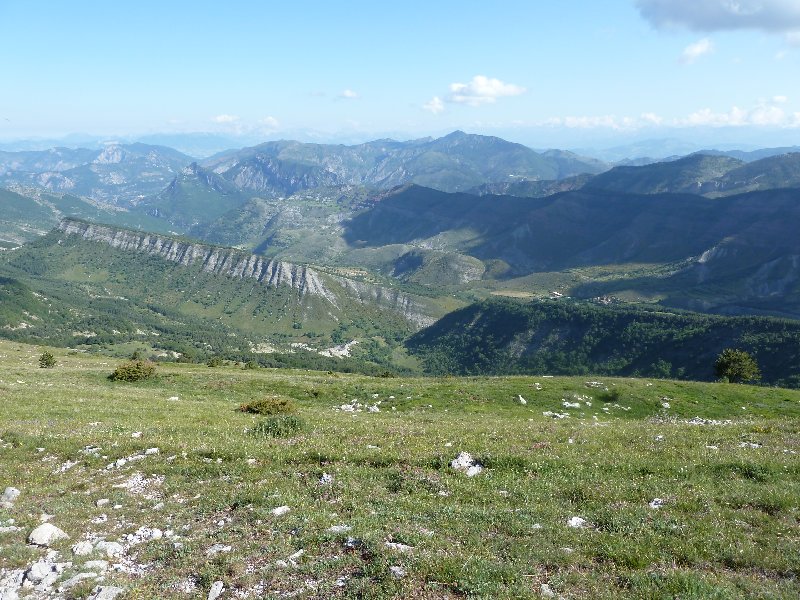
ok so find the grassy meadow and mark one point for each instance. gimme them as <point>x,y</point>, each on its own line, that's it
<point>374,508</point>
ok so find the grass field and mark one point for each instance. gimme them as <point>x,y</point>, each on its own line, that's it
<point>375,509</point>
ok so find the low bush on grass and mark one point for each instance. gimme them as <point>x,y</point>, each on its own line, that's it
<point>270,405</point>
<point>47,360</point>
<point>134,370</point>
<point>214,361</point>
<point>278,426</point>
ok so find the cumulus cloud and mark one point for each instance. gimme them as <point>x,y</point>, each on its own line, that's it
<point>694,51</point>
<point>434,105</point>
<point>225,119</point>
<point>269,123</point>
<point>348,94</point>
<point>766,113</point>
<point>482,90</point>
<point>717,15</point>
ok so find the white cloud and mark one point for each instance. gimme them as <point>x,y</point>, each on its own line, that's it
<point>717,15</point>
<point>763,114</point>
<point>482,90</point>
<point>793,38</point>
<point>225,119</point>
<point>269,122</point>
<point>348,94</point>
<point>694,51</point>
<point>434,105</point>
<point>766,113</point>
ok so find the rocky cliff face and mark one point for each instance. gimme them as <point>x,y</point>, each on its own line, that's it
<point>232,263</point>
<point>220,261</point>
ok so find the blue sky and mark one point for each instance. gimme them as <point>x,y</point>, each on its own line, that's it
<point>570,72</point>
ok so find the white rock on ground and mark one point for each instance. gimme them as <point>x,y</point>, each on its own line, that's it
<point>546,591</point>
<point>397,572</point>
<point>521,400</point>
<point>76,579</point>
<point>216,590</point>
<point>46,534</point>
<point>280,511</point>
<point>466,463</point>
<point>576,522</point>
<point>10,495</point>
<point>657,503</point>
<point>82,548</point>
<point>105,592</point>
<point>110,549</point>
<point>339,528</point>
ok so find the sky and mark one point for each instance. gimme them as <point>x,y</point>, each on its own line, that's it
<point>559,74</point>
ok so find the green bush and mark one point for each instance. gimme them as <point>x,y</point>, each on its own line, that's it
<point>270,405</point>
<point>251,364</point>
<point>134,370</point>
<point>736,366</point>
<point>47,360</point>
<point>278,426</point>
<point>611,396</point>
<point>214,361</point>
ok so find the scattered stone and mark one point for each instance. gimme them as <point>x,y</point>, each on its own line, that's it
<point>296,556</point>
<point>576,522</point>
<point>568,404</point>
<point>82,548</point>
<point>136,434</point>
<point>536,526</point>
<point>555,415</point>
<point>9,496</point>
<point>217,548</point>
<point>76,579</point>
<point>657,503</point>
<point>326,479</point>
<point>105,592</point>
<point>521,400</point>
<point>216,590</point>
<point>749,445</point>
<point>397,546</point>
<point>46,534</point>
<point>96,565</point>
<point>546,591</point>
<point>110,549</point>
<point>397,572</point>
<point>144,534</point>
<point>466,463</point>
<point>659,438</point>
<point>701,421</point>
<point>339,528</point>
<point>102,502</point>
<point>151,451</point>
<point>280,511</point>
<point>38,571</point>
<point>173,399</point>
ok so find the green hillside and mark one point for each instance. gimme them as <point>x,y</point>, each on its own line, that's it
<point>674,490</point>
<point>568,337</point>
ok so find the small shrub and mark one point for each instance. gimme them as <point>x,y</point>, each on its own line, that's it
<point>251,364</point>
<point>134,370</point>
<point>278,426</point>
<point>270,405</point>
<point>387,375</point>
<point>611,396</point>
<point>137,355</point>
<point>47,360</point>
<point>214,361</point>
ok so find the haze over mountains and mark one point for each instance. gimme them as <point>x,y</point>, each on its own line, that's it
<point>434,224</point>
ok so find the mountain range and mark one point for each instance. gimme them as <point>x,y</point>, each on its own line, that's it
<point>403,231</point>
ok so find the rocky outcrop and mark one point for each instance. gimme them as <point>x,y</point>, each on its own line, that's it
<point>240,265</point>
<point>219,261</point>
